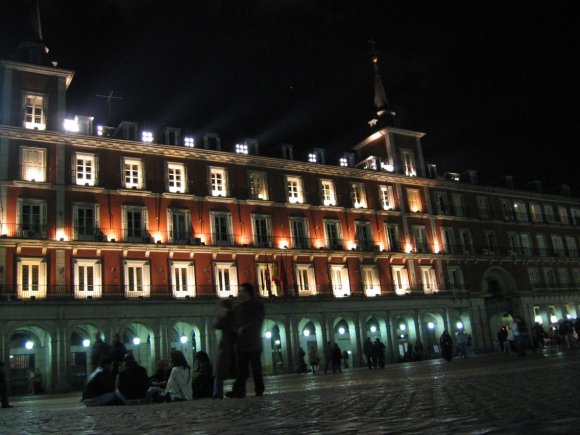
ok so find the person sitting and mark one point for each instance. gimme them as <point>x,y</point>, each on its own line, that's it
<point>161,375</point>
<point>100,387</point>
<point>132,382</point>
<point>179,384</point>
<point>202,384</point>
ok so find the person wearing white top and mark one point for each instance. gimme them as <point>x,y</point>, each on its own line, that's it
<point>179,383</point>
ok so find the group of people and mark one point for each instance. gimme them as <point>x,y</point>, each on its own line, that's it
<point>374,353</point>
<point>121,380</point>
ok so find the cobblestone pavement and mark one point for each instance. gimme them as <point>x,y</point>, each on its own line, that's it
<point>486,394</point>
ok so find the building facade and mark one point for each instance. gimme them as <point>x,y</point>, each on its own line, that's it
<point>142,232</point>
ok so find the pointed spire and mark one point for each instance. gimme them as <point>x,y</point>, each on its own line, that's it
<point>380,95</point>
<point>36,23</point>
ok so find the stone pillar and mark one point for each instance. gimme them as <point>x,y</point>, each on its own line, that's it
<point>360,337</point>
<point>60,359</point>
<point>291,338</point>
<point>393,346</point>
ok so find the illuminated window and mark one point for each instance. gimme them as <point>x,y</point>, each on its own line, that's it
<point>521,211</point>
<point>339,280</point>
<point>408,163</point>
<point>182,279</point>
<point>414,200</point>
<point>87,278</point>
<point>370,278</point>
<point>31,218</point>
<point>332,234</point>
<point>562,214</point>
<point>364,235</point>
<point>34,112</point>
<point>327,192</point>
<point>393,240</point>
<point>218,182</point>
<point>258,186</point>
<point>241,148</point>
<point>421,239</point>
<point>147,136</point>
<point>221,228</point>
<point>359,199</point>
<point>176,177</point>
<point>137,279</point>
<point>189,142</point>
<point>85,169</point>
<point>429,279</point>
<point>312,158</point>
<point>178,225</point>
<point>85,221</point>
<point>33,164</point>
<point>226,280</point>
<point>31,278</point>
<point>134,222</point>
<point>267,274</point>
<point>536,212</point>
<point>262,230</point>
<point>343,161</point>
<point>400,280</point>
<point>133,173</point>
<point>299,232</point>
<point>305,279</point>
<point>387,197</point>
<point>294,190</point>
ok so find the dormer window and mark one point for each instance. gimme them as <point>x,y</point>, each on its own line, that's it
<point>34,113</point>
<point>241,148</point>
<point>218,182</point>
<point>312,158</point>
<point>189,142</point>
<point>408,162</point>
<point>343,161</point>
<point>147,136</point>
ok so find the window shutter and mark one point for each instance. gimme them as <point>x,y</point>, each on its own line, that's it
<point>170,224</point>
<point>145,216</point>
<point>184,178</point>
<point>166,175</point>
<point>96,169</point>
<point>191,279</point>
<point>123,223</point>
<point>43,212</point>
<point>97,213</point>
<point>73,167</point>
<point>234,278</point>
<point>75,222</point>
<point>142,184</point>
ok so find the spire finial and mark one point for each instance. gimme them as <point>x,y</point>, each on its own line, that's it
<point>380,95</point>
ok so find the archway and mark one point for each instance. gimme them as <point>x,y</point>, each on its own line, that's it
<point>139,340</point>
<point>30,351</point>
<point>186,338</point>
<point>274,341</point>
<point>500,289</point>
<point>81,339</point>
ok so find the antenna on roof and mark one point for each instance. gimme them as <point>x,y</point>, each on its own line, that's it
<point>109,101</point>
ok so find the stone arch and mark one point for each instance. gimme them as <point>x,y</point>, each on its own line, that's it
<point>499,289</point>
<point>139,339</point>
<point>345,335</point>
<point>275,344</point>
<point>497,282</point>
<point>81,338</point>
<point>310,334</point>
<point>433,324</point>
<point>185,336</point>
<point>404,331</point>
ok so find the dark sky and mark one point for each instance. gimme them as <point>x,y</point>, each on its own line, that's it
<point>494,84</point>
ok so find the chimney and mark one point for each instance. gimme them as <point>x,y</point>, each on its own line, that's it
<point>470,176</point>
<point>431,170</point>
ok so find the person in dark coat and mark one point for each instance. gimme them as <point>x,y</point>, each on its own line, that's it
<point>132,381</point>
<point>446,343</point>
<point>161,375</point>
<point>100,387</point>
<point>336,359</point>
<point>99,350</point>
<point>225,351</point>
<point>328,348</point>
<point>4,387</point>
<point>118,352</point>
<point>379,350</point>
<point>249,316</point>
<point>368,350</point>
<point>301,361</point>
<point>202,382</point>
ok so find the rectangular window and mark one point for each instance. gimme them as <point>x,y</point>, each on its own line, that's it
<point>387,197</point>
<point>364,236</point>
<point>541,244</point>
<point>332,234</point>
<point>514,244</point>
<point>299,232</point>
<point>483,207</point>
<point>176,177</point>
<point>526,244</point>
<point>84,169</point>
<point>262,229</point>
<point>86,222</point>
<point>571,246</point>
<point>182,279</point>
<point>576,276</point>
<point>549,213</point>
<point>441,203</point>
<point>226,280</point>
<point>558,246</point>
<point>34,112</point>
<point>421,239</point>
<point>534,277</point>
<point>521,211</point>
<point>575,214</point>
<point>33,164</point>
<point>455,275</point>
<point>339,280</point>
<point>466,241</point>
<point>393,239</point>
<point>179,226</point>
<point>133,173</point>
<point>414,200</point>
<point>258,186</point>
<point>429,280</point>
<point>221,228</point>
<point>135,224</point>
<point>267,274</point>
<point>218,182</point>
<point>458,205</point>
<point>449,246</point>
<point>564,277</point>
<point>491,243</point>
<point>327,192</point>
<point>31,219</point>
<point>305,280</point>
<point>87,278</point>
<point>549,277</point>
<point>536,212</point>
<point>408,163</point>
<point>294,190</point>
<point>507,208</point>
<point>370,279</point>
<point>563,214</point>
<point>400,280</point>
<point>137,281</point>
<point>358,195</point>
<point>31,278</point>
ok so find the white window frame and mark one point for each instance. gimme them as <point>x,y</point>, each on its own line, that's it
<point>408,163</point>
<point>258,185</point>
<point>339,280</point>
<point>358,195</point>
<point>429,280</point>
<point>421,239</point>
<point>131,270</point>
<point>370,280</point>
<point>77,206</point>
<point>85,169</point>
<point>265,274</point>
<point>183,279</point>
<point>82,289</point>
<point>328,192</point>
<point>330,243</point>
<point>133,173</point>
<point>401,282</point>
<point>35,118</point>
<point>571,246</point>
<point>178,235</point>
<point>226,279</point>
<point>143,232</point>
<point>33,164</point>
<point>218,181</point>
<point>364,235</point>
<point>534,277</point>
<point>387,197</point>
<point>305,279</point>
<point>176,177</point>
<point>414,200</point>
<point>442,203</point>
<point>299,241</point>
<point>38,289</point>
<point>455,277</point>
<point>294,189</point>
<point>393,237</point>
<point>33,230</point>
<point>218,237</point>
<point>257,229</point>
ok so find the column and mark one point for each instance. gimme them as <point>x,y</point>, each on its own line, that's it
<point>60,352</point>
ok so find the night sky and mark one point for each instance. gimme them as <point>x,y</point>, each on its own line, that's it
<point>494,84</point>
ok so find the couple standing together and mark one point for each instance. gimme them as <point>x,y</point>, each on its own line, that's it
<point>241,327</point>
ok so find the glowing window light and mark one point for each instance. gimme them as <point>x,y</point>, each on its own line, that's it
<point>241,148</point>
<point>189,142</point>
<point>268,334</point>
<point>86,342</point>
<point>553,319</point>
<point>459,325</point>
<point>341,330</point>
<point>71,125</point>
<point>306,332</point>
<point>29,345</point>
<point>312,158</point>
<point>373,328</point>
<point>147,136</point>
<point>343,162</point>
<point>403,327</point>
<point>431,325</point>
<point>136,341</point>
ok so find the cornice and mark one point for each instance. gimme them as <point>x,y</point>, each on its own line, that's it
<point>39,69</point>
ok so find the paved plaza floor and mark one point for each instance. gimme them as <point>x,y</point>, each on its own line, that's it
<point>496,393</point>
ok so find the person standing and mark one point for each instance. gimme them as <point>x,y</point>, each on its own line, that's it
<point>118,352</point>
<point>336,359</point>
<point>301,361</point>
<point>249,316</point>
<point>368,350</point>
<point>98,350</point>
<point>225,351</point>
<point>379,349</point>
<point>446,343</point>
<point>328,355</point>
<point>4,387</point>
<point>313,359</point>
